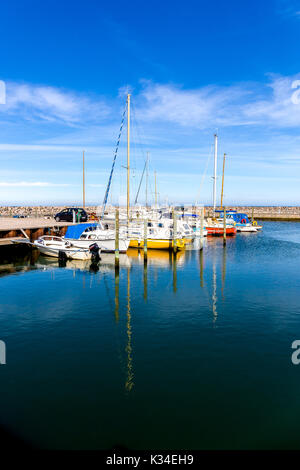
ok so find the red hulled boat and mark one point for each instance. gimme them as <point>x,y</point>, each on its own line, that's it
<point>218,230</point>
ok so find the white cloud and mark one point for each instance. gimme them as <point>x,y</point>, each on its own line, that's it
<point>207,107</point>
<point>204,107</point>
<point>215,106</point>
<point>52,104</point>
<point>281,108</point>
<point>29,184</point>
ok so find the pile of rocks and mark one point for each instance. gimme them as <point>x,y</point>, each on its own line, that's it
<point>35,211</point>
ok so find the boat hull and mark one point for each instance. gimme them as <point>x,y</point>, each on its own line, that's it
<point>246,228</point>
<point>157,244</point>
<point>107,246</point>
<point>219,231</point>
<point>70,254</point>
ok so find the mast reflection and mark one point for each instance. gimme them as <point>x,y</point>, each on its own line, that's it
<point>129,381</point>
<point>214,285</point>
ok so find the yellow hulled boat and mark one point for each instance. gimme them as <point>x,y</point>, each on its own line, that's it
<point>158,244</point>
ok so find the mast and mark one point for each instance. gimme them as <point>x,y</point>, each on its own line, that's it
<point>215,172</point>
<point>83,182</point>
<point>223,179</point>
<point>155,189</point>
<point>147,179</point>
<point>128,155</point>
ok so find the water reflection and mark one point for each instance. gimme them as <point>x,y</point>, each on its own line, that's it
<point>145,278</point>
<point>224,269</point>
<point>117,282</point>
<point>129,382</point>
<point>174,272</point>
<point>214,288</point>
<point>201,262</point>
<point>105,269</point>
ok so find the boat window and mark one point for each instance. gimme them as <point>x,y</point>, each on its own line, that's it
<point>186,226</point>
<point>84,235</point>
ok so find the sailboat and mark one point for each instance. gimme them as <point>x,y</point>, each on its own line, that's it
<point>159,233</point>
<point>214,226</point>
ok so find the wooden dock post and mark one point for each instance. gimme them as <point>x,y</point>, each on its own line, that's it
<point>252,215</point>
<point>117,254</point>
<point>145,240</point>
<point>174,231</point>
<point>224,225</point>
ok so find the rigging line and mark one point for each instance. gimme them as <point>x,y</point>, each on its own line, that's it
<point>113,164</point>
<point>139,139</point>
<point>204,175</point>
<point>139,148</point>
<point>137,195</point>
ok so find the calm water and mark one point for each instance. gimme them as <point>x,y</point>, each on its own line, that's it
<point>195,355</point>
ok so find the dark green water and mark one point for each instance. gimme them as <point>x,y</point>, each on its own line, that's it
<point>194,356</point>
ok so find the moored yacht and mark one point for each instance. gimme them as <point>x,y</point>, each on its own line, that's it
<point>82,235</point>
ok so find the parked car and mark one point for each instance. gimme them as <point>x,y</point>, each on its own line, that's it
<point>66,215</point>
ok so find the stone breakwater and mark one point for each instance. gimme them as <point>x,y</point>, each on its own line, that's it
<point>266,212</point>
<point>37,211</point>
<point>260,212</point>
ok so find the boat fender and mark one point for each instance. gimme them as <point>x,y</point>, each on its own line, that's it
<point>254,222</point>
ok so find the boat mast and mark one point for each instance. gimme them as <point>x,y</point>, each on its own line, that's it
<point>155,189</point>
<point>215,172</point>
<point>147,179</point>
<point>83,182</point>
<point>223,179</point>
<point>128,154</point>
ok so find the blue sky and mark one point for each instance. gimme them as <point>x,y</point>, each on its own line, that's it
<point>193,68</point>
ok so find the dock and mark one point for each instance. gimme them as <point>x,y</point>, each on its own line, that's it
<point>30,229</point>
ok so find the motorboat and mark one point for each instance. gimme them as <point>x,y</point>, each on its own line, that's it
<point>58,247</point>
<point>217,229</point>
<point>240,220</point>
<point>82,235</point>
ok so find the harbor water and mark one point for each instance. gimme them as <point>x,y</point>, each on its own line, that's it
<point>186,353</point>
